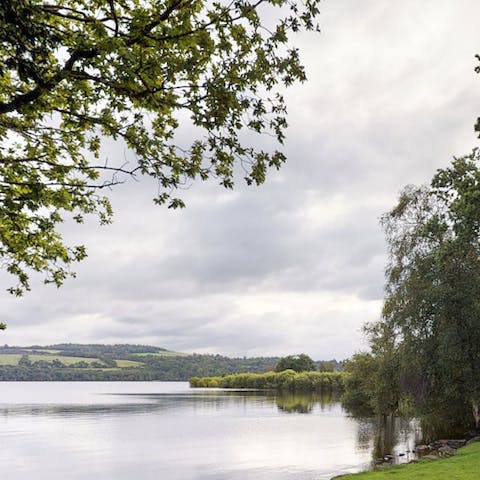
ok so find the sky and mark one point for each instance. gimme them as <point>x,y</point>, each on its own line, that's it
<point>297,264</point>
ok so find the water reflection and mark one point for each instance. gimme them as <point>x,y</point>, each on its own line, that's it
<point>304,403</point>
<point>390,440</point>
<point>150,403</point>
<point>386,439</point>
<point>395,439</point>
<point>164,431</point>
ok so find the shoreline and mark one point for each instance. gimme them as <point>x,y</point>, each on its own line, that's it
<point>446,459</point>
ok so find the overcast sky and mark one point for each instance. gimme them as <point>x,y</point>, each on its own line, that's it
<point>297,264</point>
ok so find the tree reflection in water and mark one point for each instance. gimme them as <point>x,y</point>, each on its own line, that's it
<point>303,402</point>
<point>396,437</point>
<point>392,439</point>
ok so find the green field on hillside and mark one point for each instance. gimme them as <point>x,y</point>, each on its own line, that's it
<point>128,363</point>
<point>14,358</point>
<point>34,350</point>
<point>117,362</point>
<point>10,359</point>
<point>161,354</point>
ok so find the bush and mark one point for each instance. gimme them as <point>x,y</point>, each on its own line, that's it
<point>287,380</point>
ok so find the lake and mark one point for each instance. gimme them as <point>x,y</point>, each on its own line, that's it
<point>165,430</point>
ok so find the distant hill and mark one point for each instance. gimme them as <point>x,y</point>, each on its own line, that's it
<point>73,361</point>
<point>85,350</point>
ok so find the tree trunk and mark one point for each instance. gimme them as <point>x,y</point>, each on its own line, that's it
<point>476,414</point>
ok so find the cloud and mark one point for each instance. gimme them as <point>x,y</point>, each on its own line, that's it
<point>295,265</point>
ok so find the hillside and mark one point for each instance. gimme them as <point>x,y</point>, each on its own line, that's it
<point>68,361</point>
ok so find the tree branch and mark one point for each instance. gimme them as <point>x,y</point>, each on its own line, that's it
<point>19,101</point>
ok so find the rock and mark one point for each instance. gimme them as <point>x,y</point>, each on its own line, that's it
<point>446,451</point>
<point>472,434</point>
<point>439,443</point>
<point>473,440</point>
<point>456,443</point>
<point>453,443</point>
<point>422,449</point>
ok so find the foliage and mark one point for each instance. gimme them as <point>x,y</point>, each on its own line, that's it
<point>462,466</point>
<point>97,350</point>
<point>118,362</point>
<point>24,361</point>
<point>372,383</point>
<point>329,366</point>
<point>358,397</point>
<point>287,380</point>
<point>386,352</point>
<point>71,361</point>
<point>432,307</point>
<point>298,363</point>
<point>75,75</point>
<point>184,367</point>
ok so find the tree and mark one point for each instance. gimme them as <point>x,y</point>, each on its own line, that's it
<point>432,306</point>
<point>372,380</point>
<point>327,365</point>
<point>358,396</point>
<point>385,376</point>
<point>298,363</point>
<point>74,73</point>
<point>24,361</point>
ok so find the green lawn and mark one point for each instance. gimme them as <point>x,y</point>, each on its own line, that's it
<point>464,465</point>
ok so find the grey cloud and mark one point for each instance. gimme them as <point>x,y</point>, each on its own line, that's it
<point>296,264</point>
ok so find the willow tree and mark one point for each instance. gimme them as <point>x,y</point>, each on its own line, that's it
<point>432,305</point>
<point>77,73</point>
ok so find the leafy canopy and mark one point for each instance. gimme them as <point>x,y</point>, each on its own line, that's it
<point>74,73</point>
<point>432,305</point>
<point>297,363</point>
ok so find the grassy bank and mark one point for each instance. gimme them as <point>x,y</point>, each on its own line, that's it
<point>287,380</point>
<point>464,465</point>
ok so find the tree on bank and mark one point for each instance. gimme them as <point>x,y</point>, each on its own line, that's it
<point>432,304</point>
<point>75,74</point>
<point>372,379</point>
<point>298,363</point>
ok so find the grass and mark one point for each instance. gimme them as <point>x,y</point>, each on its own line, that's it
<point>42,350</point>
<point>13,359</point>
<point>9,358</point>
<point>161,354</point>
<point>464,465</point>
<point>65,360</point>
<point>128,363</point>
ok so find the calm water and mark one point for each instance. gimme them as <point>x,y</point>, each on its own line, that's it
<point>165,430</point>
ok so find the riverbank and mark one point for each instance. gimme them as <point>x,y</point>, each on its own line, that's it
<point>464,465</point>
